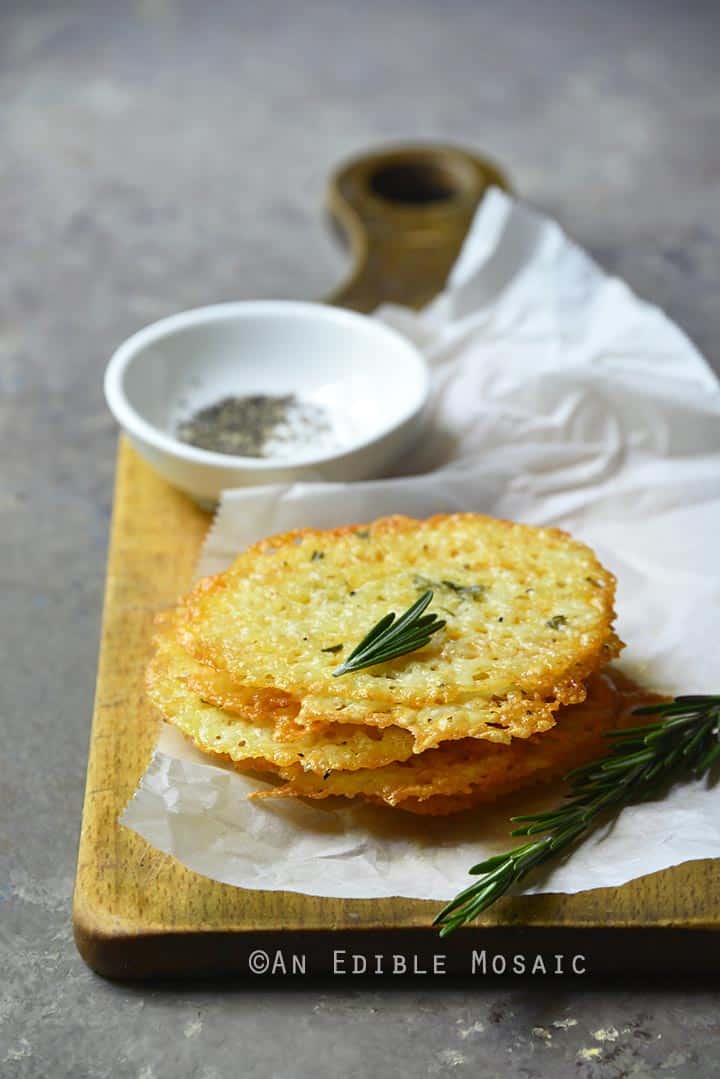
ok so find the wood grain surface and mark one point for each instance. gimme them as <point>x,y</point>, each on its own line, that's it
<point>139,913</point>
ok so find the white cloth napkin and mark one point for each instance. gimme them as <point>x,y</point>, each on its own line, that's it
<point>559,397</point>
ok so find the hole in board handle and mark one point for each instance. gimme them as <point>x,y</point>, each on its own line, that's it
<point>415,183</point>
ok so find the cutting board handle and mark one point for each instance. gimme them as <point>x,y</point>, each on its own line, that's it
<point>405,212</point>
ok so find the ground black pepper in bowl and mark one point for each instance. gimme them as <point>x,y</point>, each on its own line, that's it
<point>259,425</point>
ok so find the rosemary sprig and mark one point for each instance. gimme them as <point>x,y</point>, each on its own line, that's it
<point>390,638</point>
<point>683,741</point>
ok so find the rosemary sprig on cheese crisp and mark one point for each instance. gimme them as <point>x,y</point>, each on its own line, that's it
<point>683,741</point>
<point>390,638</point>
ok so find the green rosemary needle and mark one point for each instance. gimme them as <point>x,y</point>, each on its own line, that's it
<point>390,638</point>
<point>683,741</point>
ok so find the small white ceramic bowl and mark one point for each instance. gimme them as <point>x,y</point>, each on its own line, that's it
<point>370,380</point>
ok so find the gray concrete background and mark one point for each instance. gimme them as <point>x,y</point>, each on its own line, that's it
<point>161,155</point>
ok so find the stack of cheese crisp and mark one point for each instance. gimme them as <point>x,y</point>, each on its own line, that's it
<point>510,692</point>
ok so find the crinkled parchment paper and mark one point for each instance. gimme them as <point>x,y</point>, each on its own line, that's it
<point>559,398</point>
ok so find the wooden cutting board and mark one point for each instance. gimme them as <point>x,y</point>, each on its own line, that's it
<point>139,913</point>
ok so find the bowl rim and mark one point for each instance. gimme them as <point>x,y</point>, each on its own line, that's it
<point>131,421</point>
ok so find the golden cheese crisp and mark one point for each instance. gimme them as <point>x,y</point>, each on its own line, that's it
<point>528,612</point>
<point>250,738</point>
<point>461,774</point>
<point>492,702</point>
<point>516,716</point>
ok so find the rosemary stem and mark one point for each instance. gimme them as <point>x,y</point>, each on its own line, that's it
<point>685,740</point>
